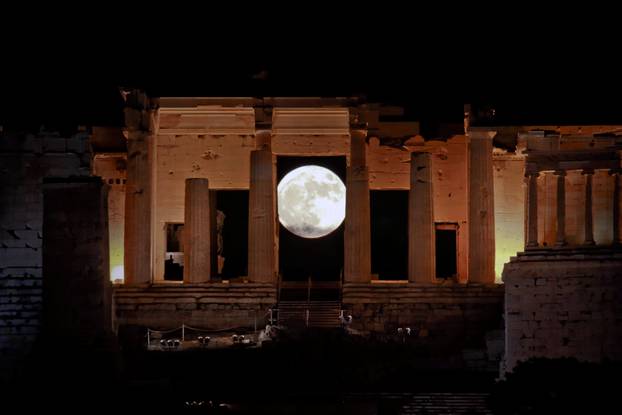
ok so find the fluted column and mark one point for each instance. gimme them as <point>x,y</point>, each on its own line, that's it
<point>561,208</point>
<point>589,217</point>
<point>198,227</point>
<point>357,238</point>
<point>140,120</point>
<point>532,210</point>
<point>616,206</point>
<point>481,208</point>
<point>261,261</point>
<point>421,245</point>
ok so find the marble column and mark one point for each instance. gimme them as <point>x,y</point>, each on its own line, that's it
<point>357,237</point>
<point>198,228</point>
<point>589,216</point>
<point>261,241</point>
<point>421,237</point>
<point>532,210</point>
<point>561,208</point>
<point>140,120</point>
<point>616,206</point>
<point>481,208</point>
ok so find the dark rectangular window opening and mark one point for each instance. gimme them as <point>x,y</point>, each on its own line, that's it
<point>389,234</point>
<point>174,260</point>
<point>446,250</point>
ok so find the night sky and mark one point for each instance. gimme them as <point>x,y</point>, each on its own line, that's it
<point>532,70</point>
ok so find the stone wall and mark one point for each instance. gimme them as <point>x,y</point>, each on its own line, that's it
<point>452,319</point>
<point>24,161</point>
<point>564,303</point>
<point>207,306</point>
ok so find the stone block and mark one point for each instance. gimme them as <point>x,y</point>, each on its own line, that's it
<point>54,145</point>
<point>77,144</point>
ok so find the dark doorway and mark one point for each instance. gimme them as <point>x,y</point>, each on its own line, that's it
<point>389,234</point>
<point>446,250</point>
<point>232,232</point>
<point>318,259</point>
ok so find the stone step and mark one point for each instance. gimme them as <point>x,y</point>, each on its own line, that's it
<point>440,403</point>
<point>323,314</point>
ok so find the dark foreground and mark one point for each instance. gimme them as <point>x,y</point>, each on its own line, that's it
<point>325,374</point>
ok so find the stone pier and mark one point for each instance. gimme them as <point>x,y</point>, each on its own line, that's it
<point>199,226</point>
<point>357,238</point>
<point>421,247</point>
<point>140,120</point>
<point>481,208</point>
<point>261,235</point>
<point>77,292</point>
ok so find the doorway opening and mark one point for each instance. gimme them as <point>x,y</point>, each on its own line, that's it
<point>232,233</point>
<point>389,234</point>
<point>446,250</point>
<point>310,268</point>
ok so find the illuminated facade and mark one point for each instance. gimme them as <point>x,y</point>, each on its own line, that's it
<point>430,222</point>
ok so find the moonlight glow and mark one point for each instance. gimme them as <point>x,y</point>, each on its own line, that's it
<point>311,201</point>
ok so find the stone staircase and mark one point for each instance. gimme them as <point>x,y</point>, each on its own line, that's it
<point>309,314</point>
<point>432,403</point>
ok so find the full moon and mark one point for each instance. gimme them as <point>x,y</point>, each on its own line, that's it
<point>311,201</point>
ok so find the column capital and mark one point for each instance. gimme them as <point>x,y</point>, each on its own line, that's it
<point>140,112</point>
<point>263,136</point>
<point>588,171</point>
<point>358,130</point>
<point>529,174</point>
<point>613,172</point>
<point>561,173</point>
<point>481,134</point>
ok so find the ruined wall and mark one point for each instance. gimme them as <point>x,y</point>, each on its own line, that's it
<point>564,304</point>
<point>211,306</point>
<point>111,167</point>
<point>24,161</point>
<point>447,319</point>
<point>214,142</point>
<point>508,176</point>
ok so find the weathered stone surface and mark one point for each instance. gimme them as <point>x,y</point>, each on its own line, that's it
<point>210,306</point>
<point>76,261</point>
<point>199,226</point>
<point>421,248</point>
<point>357,236</point>
<point>563,303</point>
<point>24,162</point>
<point>449,317</point>
<point>481,208</point>
<point>261,235</point>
